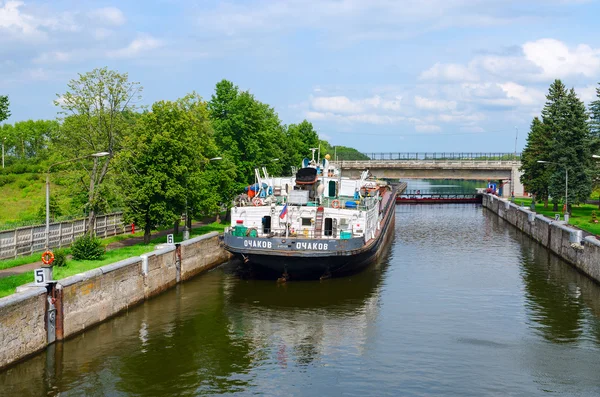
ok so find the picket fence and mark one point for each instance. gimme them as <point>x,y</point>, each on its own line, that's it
<point>27,240</point>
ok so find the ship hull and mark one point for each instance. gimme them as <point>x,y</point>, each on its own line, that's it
<point>298,258</point>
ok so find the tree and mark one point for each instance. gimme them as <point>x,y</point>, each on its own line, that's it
<point>300,138</point>
<point>552,121</point>
<point>247,132</point>
<point>595,118</point>
<point>96,109</point>
<point>570,150</point>
<point>4,108</point>
<point>161,169</point>
<point>536,176</point>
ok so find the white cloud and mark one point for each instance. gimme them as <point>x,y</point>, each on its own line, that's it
<point>588,93</point>
<point>450,72</point>
<point>556,60</point>
<point>18,24</point>
<point>102,33</point>
<point>365,118</point>
<point>433,104</point>
<point>108,15</point>
<point>137,47</point>
<point>345,105</point>
<point>427,128</point>
<point>524,95</point>
<point>53,57</point>
<point>353,20</point>
<point>540,60</point>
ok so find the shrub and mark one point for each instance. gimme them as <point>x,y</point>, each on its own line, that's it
<point>87,248</point>
<point>60,258</point>
<point>6,179</point>
<point>22,184</point>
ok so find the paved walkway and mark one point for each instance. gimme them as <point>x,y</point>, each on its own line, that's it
<point>117,244</point>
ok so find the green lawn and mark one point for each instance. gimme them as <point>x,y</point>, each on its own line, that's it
<point>9,284</point>
<point>581,214</point>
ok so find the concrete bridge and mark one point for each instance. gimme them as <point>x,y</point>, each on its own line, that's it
<point>501,168</point>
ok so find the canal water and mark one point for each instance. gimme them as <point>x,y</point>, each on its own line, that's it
<point>460,304</point>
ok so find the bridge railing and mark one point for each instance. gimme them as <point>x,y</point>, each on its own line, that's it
<point>429,156</point>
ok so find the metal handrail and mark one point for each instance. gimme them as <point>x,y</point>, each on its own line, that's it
<point>430,156</point>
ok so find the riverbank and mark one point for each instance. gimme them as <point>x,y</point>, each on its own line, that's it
<point>35,317</point>
<point>117,248</point>
<point>566,242</point>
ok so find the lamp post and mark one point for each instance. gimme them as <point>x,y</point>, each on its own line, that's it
<point>94,155</point>
<point>3,141</point>
<point>566,186</point>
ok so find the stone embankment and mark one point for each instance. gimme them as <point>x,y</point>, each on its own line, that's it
<point>566,242</point>
<point>33,318</point>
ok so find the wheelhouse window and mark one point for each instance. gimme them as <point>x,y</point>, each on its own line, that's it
<point>306,221</point>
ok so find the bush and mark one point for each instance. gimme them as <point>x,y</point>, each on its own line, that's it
<point>60,258</point>
<point>22,184</point>
<point>87,248</point>
<point>6,179</point>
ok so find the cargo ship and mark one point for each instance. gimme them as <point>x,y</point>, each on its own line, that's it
<point>315,224</point>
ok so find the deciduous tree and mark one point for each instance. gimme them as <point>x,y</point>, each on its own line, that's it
<point>161,169</point>
<point>96,107</point>
<point>4,108</point>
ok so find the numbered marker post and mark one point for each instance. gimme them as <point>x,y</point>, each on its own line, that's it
<point>557,217</point>
<point>42,276</point>
<point>170,239</point>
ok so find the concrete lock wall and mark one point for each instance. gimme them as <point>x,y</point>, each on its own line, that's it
<point>564,241</point>
<point>89,298</point>
<point>22,325</point>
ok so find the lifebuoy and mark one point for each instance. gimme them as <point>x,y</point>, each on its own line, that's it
<point>257,201</point>
<point>48,257</point>
<point>335,204</point>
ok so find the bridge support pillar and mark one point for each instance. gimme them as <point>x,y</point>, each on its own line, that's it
<point>517,186</point>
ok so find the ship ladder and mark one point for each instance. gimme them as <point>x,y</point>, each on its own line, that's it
<point>319,222</point>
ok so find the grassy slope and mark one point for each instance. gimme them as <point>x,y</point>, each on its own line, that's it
<point>21,200</point>
<point>9,284</point>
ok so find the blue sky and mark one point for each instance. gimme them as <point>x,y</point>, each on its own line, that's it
<point>379,75</point>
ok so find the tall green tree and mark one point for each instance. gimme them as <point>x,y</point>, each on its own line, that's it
<point>247,132</point>
<point>552,120</point>
<point>4,108</point>
<point>595,117</point>
<point>299,139</point>
<point>570,151</point>
<point>161,169</point>
<point>536,176</point>
<point>96,107</point>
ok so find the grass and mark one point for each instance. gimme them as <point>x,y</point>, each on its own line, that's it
<point>21,200</point>
<point>9,284</point>
<point>581,215</point>
<point>21,260</point>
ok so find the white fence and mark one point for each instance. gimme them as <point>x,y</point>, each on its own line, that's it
<point>30,239</point>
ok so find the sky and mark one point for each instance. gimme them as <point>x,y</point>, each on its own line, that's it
<point>377,75</point>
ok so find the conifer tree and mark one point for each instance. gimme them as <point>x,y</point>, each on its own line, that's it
<point>536,176</point>
<point>565,118</point>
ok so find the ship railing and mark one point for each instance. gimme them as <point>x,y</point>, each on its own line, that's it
<point>302,233</point>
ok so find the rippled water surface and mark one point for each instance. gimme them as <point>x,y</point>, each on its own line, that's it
<point>460,304</point>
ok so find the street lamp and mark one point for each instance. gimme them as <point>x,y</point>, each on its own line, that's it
<point>566,184</point>
<point>94,155</point>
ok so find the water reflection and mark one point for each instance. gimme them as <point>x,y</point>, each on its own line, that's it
<point>168,346</point>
